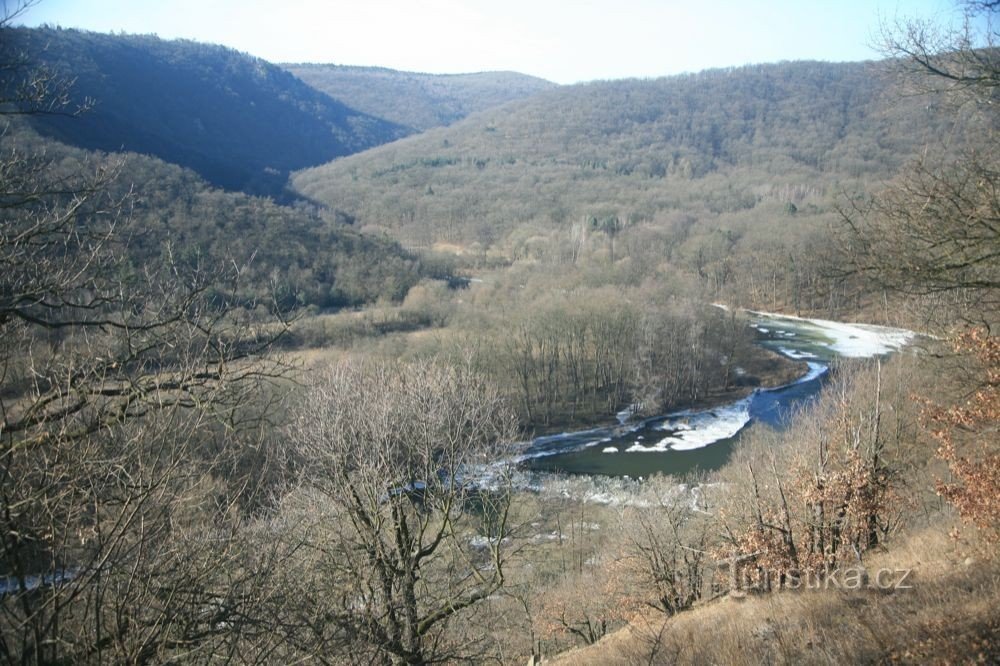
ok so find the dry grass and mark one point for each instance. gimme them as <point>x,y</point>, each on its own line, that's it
<point>315,358</point>
<point>949,616</point>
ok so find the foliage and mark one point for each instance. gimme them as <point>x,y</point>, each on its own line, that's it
<point>589,352</point>
<point>709,144</point>
<point>933,231</point>
<point>668,554</point>
<point>833,499</point>
<point>288,257</point>
<point>968,438</point>
<point>134,404</point>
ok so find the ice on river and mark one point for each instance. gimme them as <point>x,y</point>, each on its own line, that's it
<point>688,430</point>
<point>849,339</point>
<point>796,354</point>
<point>694,430</point>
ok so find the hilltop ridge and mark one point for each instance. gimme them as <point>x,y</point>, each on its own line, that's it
<point>415,99</point>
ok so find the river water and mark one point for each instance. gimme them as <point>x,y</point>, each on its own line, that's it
<point>682,441</point>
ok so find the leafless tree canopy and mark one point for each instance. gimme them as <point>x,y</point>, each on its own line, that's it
<point>935,230</point>
<point>963,63</point>
<point>406,510</point>
<point>131,413</point>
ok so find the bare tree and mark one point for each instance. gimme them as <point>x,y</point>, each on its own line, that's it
<point>934,232</point>
<point>131,430</point>
<point>668,543</point>
<point>961,65</point>
<point>406,509</point>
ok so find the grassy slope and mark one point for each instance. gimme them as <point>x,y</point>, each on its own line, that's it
<point>948,617</point>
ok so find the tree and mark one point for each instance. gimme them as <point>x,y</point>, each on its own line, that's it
<point>131,430</point>
<point>668,551</point>
<point>934,232</point>
<point>405,508</point>
<point>827,500</point>
<point>961,64</point>
<point>968,435</point>
<point>611,226</point>
<point>26,88</point>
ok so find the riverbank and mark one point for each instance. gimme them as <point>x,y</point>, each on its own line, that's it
<point>758,368</point>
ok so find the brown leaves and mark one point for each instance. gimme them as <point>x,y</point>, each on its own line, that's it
<point>968,437</point>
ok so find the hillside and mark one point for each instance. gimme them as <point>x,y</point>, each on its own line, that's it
<point>238,121</point>
<point>695,370</point>
<point>289,257</point>
<point>417,100</point>
<point>751,141</point>
<point>923,622</point>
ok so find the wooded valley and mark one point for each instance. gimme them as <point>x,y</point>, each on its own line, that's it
<point>318,363</point>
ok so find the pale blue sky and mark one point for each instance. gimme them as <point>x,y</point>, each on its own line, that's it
<point>562,41</point>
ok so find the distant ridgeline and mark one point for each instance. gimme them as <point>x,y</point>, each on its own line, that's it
<point>416,100</point>
<point>721,142</point>
<point>240,122</point>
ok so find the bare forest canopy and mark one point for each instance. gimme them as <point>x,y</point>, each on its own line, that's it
<point>749,144</point>
<point>240,122</point>
<point>252,420</point>
<point>289,256</point>
<point>413,99</point>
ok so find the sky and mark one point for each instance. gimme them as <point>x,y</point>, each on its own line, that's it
<point>562,41</point>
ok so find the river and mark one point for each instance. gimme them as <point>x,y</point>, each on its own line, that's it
<point>682,441</point>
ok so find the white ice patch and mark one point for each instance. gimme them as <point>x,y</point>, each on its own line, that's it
<point>863,341</point>
<point>610,449</point>
<point>796,354</point>
<point>815,370</point>
<point>567,442</point>
<point>695,430</point>
<point>480,542</point>
<point>852,340</point>
<point>627,413</point>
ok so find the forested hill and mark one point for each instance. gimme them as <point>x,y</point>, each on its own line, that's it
<point>787,136</point>
<point>289,256</point>
<point>238,121</point>
<point>416,100</point>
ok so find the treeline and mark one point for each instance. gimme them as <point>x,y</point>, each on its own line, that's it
<point>579,360</point>
<point>291,254</point>
<point>732,177</point>
<point>417,100</point>
<point>711,144</point>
